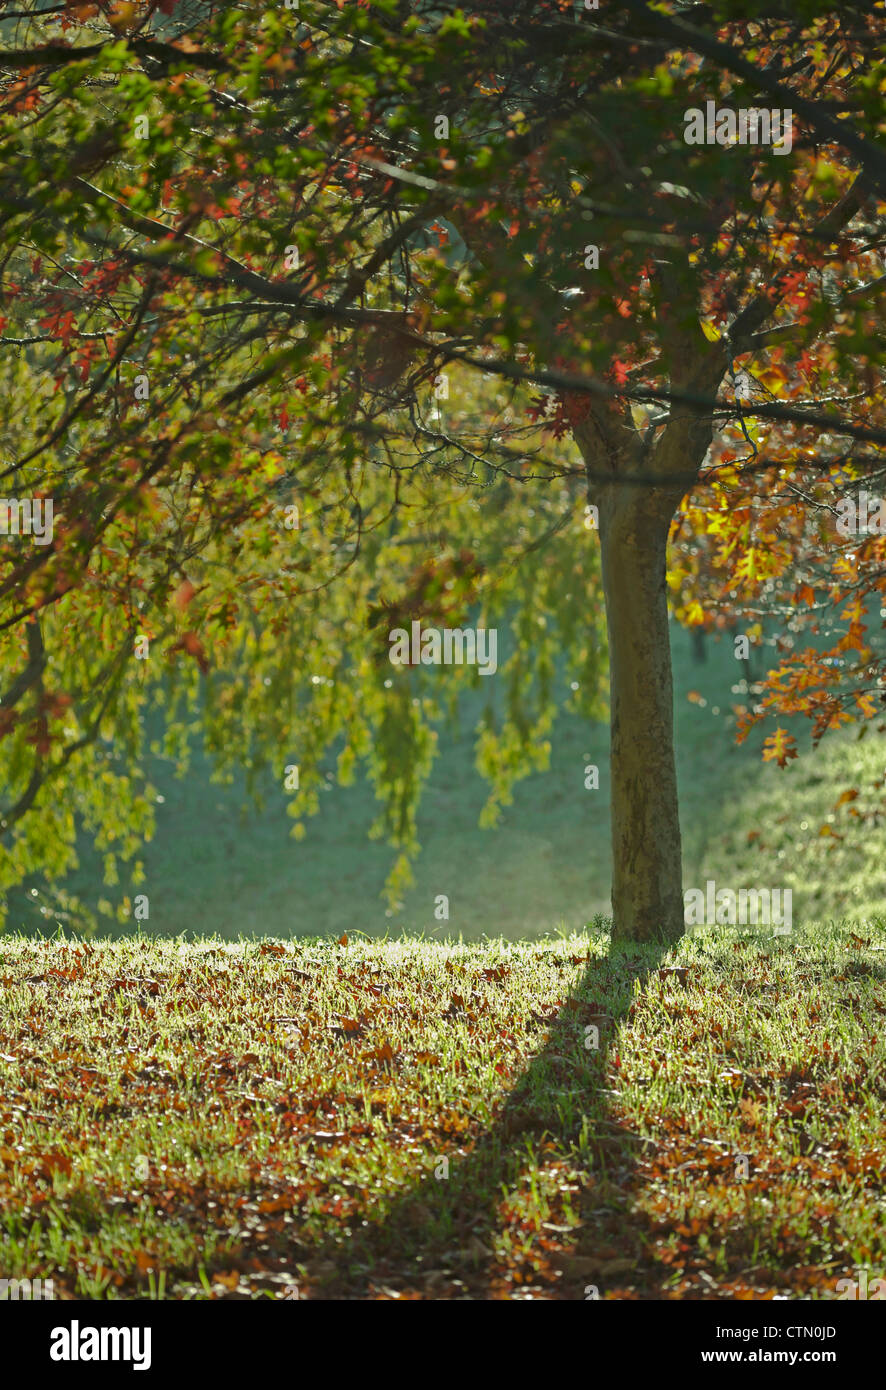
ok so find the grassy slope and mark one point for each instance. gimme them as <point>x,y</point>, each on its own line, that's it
<point>248,1119</point>
<point>212,870</point>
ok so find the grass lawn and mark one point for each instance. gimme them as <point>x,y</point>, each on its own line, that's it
<point>411,1119</point>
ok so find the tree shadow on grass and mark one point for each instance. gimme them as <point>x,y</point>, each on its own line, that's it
<point>536,1205</point>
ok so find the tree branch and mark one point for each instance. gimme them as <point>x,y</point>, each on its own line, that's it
<point>870,157</point>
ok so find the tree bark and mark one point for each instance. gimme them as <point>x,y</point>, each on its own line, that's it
<point>647,888</point>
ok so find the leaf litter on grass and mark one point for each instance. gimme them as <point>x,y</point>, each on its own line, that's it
<point>189,1121</point>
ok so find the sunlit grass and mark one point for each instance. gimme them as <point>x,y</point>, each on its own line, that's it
<point>213,1119</point>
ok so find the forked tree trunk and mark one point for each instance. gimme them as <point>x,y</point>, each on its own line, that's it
<point>647,890</point>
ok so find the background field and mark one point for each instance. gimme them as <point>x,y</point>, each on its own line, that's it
<point>217,865</point>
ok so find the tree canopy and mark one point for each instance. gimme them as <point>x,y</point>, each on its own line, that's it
<point>321,318</point>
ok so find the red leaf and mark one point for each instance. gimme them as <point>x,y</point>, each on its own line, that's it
<point>191,644</point>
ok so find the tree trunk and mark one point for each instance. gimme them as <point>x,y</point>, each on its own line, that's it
<point>647,889</point>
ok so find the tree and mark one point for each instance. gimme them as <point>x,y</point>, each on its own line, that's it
<point>255,251</point>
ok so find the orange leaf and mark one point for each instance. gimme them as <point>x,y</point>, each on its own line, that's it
<point>780,747</point>
<point>183,594</point>
<point>849,795</point>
